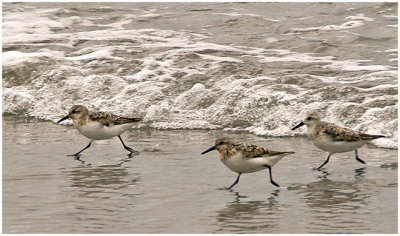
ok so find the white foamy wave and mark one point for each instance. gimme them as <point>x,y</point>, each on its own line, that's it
<point>180,79</point>
<point>351,65</point>
<point>16,58</point>
<point>345,26</point>
<point>235,14</point>
<point>360,17</point>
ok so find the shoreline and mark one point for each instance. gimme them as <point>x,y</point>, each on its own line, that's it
<point>228,131</point>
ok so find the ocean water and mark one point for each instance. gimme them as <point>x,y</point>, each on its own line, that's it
<point>195,71</point>
<point>253,67</point>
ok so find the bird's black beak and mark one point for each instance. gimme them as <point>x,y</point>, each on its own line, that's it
<point>66,117</point>
<point>209,150</point>
<point>299,125</point>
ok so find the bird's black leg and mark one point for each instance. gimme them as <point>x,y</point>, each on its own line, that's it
<point>126,147</point>
<point>236,181</point>
<point>357,158</point>
<point>270,176</point>
<point>326,161</point>
<point>77,154</point>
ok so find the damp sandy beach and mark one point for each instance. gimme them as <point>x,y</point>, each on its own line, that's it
<point>170,188</point>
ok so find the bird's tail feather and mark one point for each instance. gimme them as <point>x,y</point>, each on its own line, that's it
<point>372,136</point>
<point>283,153</point>
<point>132,119</point>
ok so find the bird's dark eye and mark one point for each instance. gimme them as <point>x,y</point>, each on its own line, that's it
<point>309,118</point>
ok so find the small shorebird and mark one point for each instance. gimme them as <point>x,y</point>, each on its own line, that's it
<point>246,158</point>
<point>333,138</point>
<point>96,125</point>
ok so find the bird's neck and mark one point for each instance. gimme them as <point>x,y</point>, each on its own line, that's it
<point>312,128</point>
<point>81,122</point>
<point>227,152</point>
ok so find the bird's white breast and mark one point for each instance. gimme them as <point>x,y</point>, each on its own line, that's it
<point>95,130</point>
<point>240,164</point>
<point>325,143</point>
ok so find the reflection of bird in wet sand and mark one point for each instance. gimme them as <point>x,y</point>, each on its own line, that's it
<point>249,216</point>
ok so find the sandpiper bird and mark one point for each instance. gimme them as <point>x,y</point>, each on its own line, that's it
<point>246,158</point>
<point>96,125</point>
<point>334,138</point>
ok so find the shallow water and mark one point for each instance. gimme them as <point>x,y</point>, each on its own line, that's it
<point>170,188</point>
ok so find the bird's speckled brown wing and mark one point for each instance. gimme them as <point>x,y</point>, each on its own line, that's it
<point>253,151</point>
<point>108,119</point>
<point>338,133</point>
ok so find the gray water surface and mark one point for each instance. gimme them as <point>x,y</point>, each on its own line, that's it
<point>170,188</point>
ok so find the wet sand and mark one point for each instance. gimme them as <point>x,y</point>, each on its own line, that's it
<point>170,188</point>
